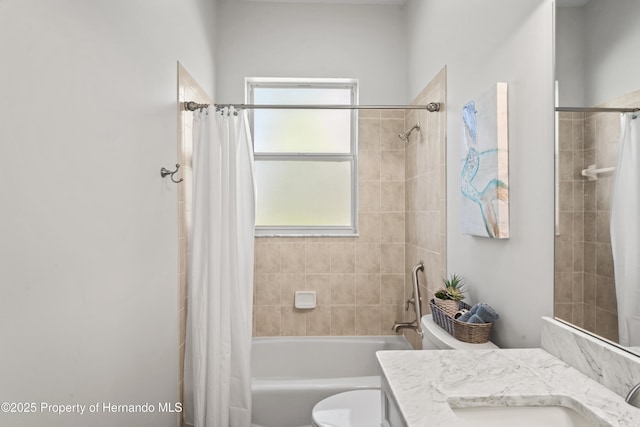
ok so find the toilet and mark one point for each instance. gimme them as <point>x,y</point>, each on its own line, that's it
<point>362,408</point>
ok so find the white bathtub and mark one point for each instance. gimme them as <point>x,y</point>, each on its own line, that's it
<point>291,375</point>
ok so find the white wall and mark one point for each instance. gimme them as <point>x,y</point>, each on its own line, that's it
<point>481,43</point>
<point>611,50</point>
<point>311,40</point>
<point>88,246</point>
<point>570,56</point>
<point>596,45</point>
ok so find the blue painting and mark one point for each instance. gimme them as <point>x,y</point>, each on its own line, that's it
<point>485,165</point>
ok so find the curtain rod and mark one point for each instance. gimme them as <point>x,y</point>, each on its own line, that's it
<point>432,106</point>
<point>597,110</point>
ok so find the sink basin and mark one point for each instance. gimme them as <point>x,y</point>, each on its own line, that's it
<point>521,416</point>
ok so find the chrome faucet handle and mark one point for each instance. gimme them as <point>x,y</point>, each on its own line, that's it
<point>633,398</point>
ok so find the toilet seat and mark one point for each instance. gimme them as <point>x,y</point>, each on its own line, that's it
<point>356,408</point>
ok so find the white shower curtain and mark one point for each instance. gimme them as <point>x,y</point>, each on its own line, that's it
<point>220,294</point>
<point>625,231</point>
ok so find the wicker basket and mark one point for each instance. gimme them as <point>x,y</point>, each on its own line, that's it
<point>474,333</point>
<point>450,307</point>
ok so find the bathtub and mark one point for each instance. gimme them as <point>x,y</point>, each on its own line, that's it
<point>292,374</point>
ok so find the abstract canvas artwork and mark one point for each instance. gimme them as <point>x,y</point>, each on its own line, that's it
<point>485,165</point>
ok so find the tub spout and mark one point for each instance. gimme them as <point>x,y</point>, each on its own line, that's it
<point>397,326</point>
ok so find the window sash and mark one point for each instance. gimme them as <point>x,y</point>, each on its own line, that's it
<point>315,230</point>
<point>286,156</point>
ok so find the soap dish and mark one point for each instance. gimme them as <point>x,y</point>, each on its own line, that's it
<point>305,300</point>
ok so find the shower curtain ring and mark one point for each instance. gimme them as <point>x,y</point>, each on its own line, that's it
<point>164,172</point>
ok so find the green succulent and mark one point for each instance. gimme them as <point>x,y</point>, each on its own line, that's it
<point>453,289</point>
<point>454,282</point>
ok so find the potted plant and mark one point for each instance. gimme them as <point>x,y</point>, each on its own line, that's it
<point>448,298</point>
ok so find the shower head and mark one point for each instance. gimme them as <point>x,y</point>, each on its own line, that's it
<point>406,134</point>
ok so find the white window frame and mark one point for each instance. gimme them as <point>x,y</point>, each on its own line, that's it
<point>352,230</point>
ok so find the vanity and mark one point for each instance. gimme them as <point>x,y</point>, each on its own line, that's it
<point>513,386</point>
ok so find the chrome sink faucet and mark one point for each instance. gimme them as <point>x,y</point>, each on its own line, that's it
<point>416,301</point>
<point>633,398</point>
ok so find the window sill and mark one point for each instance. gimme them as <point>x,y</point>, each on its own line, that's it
<point>306,235</point>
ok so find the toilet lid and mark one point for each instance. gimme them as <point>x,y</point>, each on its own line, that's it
<point>357,408</point>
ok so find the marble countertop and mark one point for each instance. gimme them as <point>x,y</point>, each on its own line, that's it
<point>427,384</point>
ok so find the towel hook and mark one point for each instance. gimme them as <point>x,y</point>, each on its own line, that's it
<point>164,172</point>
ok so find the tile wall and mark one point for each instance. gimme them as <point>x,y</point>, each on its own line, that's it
<point>570,242</point>
<point>359,281</point>
<point>362,282</point>
<point>425,197</point>
<point>585,285</point>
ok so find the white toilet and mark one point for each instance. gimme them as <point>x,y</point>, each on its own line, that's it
<point>361,408</point>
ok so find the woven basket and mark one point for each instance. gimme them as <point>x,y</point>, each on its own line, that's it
<point>450,307</point>
<point>474,333</point>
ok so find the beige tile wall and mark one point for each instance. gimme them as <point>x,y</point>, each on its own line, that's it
<point>600,313</point>
<point>362,282</point>
<point>570,243</point>
<point>585,285</point>
<point>359,281</point>
<point>425,172</point>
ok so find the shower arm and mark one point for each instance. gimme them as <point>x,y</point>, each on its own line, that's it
<point>416,126</point>
<point>407,133</point>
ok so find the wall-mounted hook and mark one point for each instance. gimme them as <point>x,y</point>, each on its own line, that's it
<point>164,172</point>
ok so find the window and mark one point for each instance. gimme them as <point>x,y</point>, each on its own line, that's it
<point>305,159</point>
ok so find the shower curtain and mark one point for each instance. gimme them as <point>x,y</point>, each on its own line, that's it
<point>220,294</point>
<point>625,231</point>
